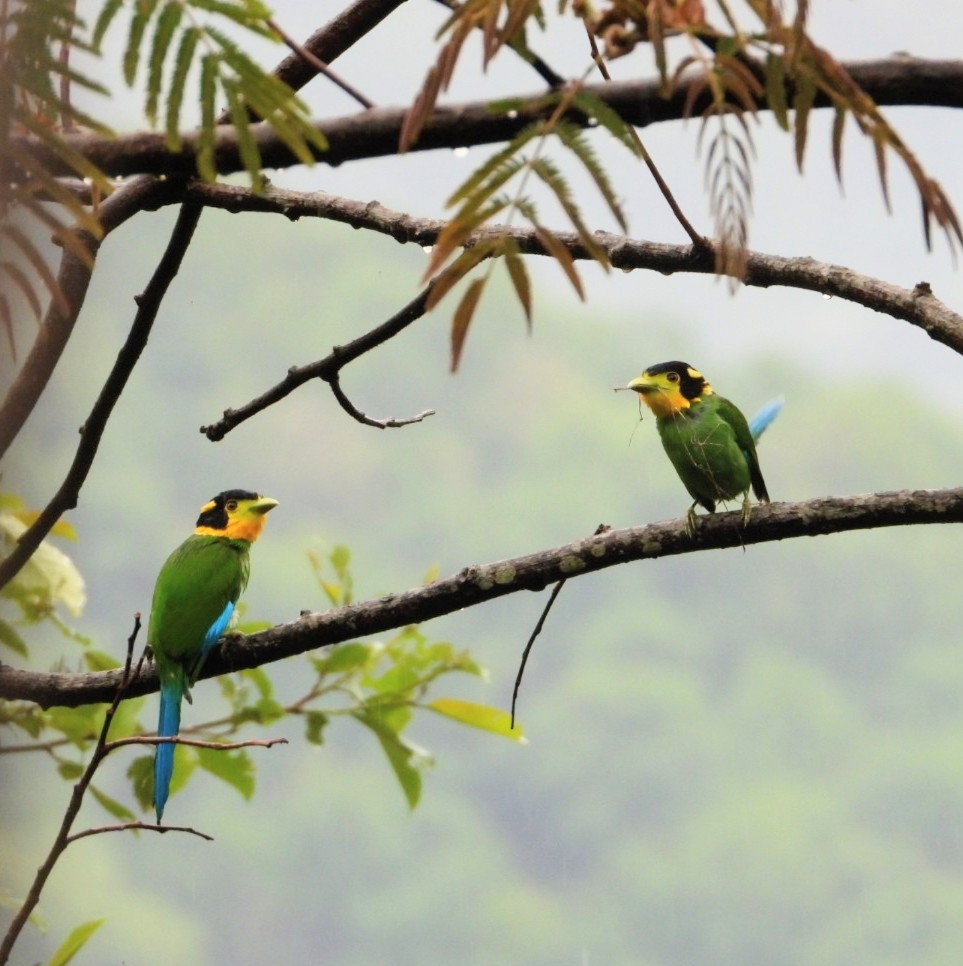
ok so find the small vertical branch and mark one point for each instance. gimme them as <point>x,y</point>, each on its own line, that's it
<point>698,241</point>
<point>62,839</point>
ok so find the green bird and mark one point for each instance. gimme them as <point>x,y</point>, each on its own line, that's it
<point>705,436</point>
<point>194,599</point>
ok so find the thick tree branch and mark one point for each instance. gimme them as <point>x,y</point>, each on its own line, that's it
<point>477,584</point>
<point>369,134</point>
<point>918,306</point>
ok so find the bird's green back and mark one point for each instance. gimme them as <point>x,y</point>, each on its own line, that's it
<point>196,583</point>
<point>712,449</point>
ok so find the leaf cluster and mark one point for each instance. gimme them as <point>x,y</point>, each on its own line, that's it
<point>181,53</point>
<point>378,684</point>
<point>170,41</point>
<point>35,83</point>
<point>485,195</point>
<point>771,61</point>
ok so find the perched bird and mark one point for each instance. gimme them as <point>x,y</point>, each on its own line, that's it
<point>705,436</point>
<point>194,598</point>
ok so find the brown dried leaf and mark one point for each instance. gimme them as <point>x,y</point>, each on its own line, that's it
<point>839,123</point>
<point>563,256</point>
<point>39,264</point>
<point>521,283</point>
<point>462,319</point>
<point>7,321</point>
<point>20,279</point>
<point>458,269</point>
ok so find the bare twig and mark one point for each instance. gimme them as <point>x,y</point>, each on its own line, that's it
<point>478,583</point>
<point>328,369</point>
<point>137,827</point>
<point>319,65</point>
<point>349,407</point>
<point>556,590</point>
<point>700,241</point>
<point>195,742</point>
<point>329,42</point>
<point>90,434</point>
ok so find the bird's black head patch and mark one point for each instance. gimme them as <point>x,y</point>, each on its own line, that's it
<point>692,384</point>
<point>214,513</point>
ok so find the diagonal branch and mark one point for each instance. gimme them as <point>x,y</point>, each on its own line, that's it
<point>74,276</point>
<point>91,432</point>
<point>328,369</point>
<point>477,584</point>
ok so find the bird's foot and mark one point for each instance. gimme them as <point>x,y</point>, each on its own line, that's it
<point>691,522</point>
<point>746,510</point>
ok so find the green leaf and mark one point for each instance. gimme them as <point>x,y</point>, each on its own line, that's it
<point>126,721</point>
<point>591,105</point>
<point>143,10</point>
<point>495,163</point>
<point>78,725</point>
<point>104,20</point>
<point>315,723</point>
<point>206,162</point>
<point>478,716</point>
<point>99,661</point>
<point>234,767</point>
<point>406,761</point>
<point>164,31</point>
<point>775,78</point>
<point>121,812</point>
<point>75,942</point>
<point>258,677</point>
<point>246,145</point>
<point>70,770</point>
<point>10,638</point>
<point>345,657</point>
<point>249,14</point>
<point>175,96</point>
<point>141,775</point>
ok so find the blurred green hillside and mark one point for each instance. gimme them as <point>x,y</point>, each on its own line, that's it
<point>751,758</point>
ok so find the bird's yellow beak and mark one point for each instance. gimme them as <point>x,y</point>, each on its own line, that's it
<point>262,505</point>
<point>643,384</point>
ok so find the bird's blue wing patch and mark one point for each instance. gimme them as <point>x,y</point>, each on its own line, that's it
<point>216,630</point>
<point>760,422</point>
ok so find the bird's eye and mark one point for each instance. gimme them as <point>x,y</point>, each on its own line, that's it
<point>231,506</point>
<point>673,377</point>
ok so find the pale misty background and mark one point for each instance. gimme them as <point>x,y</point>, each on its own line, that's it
<point>733,757</point>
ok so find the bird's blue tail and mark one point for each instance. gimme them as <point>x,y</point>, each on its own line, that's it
<point>167,727</point>
<point>760,422</point>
